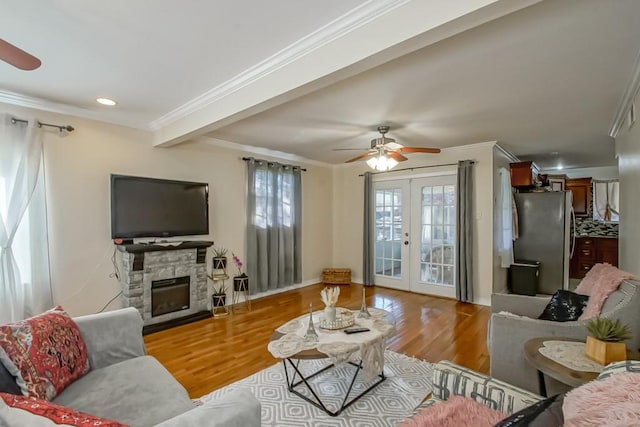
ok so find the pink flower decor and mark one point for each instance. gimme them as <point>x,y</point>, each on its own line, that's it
<point>238,263</point>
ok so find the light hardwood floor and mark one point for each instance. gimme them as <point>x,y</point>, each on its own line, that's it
<point>212,353</point>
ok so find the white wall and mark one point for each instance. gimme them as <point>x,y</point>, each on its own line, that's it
<point>348,204</point>
<point>77,174</point>
<point>628,151</point>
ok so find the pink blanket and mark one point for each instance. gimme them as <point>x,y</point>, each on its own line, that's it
<point>599,283</point>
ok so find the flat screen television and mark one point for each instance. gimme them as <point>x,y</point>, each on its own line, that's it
<point>149,207</point>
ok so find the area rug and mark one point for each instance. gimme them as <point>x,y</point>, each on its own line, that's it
<point>408,382</point>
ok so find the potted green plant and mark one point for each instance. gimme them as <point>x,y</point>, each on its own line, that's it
<point>241,281</point>
<point>605,344</point>
<point>220,258</point>
<point>219,296</point>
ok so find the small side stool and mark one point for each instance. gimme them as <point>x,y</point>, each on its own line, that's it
<point>336,276</point>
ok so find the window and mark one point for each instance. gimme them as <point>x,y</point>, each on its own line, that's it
<point>438,234</point>
<point>606,207</point>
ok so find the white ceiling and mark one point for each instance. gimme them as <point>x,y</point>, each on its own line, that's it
<point>547,78</point>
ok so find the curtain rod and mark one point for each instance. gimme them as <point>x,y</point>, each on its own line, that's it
<point>246,159</point>
<point>417,167</point>
<point>68,128</point>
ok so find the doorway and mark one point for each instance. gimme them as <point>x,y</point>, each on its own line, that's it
<point>415,234</point>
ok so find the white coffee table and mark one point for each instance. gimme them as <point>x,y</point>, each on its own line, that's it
<point>287,343</point>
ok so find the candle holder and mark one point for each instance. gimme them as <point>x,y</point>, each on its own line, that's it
<point>364,313</point>
<point>311,336</point>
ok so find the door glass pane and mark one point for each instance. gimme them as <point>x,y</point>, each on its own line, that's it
<point>438,235</point>
<point>389,232</point>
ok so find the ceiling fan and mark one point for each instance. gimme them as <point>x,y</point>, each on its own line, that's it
<point>385,153</point>
<point>17,57</point>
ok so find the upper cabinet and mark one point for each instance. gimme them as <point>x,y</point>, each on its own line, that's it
<point>581,190</point>
<point>523,174</point>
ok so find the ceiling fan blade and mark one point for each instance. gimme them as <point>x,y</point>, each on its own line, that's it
<point>17,57</point>
<point>360,157</point>
<point>396,156</point>
<point>409,150</point>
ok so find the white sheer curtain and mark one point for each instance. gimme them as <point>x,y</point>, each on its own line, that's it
<point>606,196</point>
<point>505,220</point>
<point>25,286</point>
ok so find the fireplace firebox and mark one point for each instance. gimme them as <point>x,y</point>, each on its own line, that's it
<point>169,295</point>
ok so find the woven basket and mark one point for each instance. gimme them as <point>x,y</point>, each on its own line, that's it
<point>336,276</point>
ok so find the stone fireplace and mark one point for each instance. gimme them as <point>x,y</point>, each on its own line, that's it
<point>167,284</point>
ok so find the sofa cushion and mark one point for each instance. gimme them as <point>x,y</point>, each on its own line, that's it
<point>545,413</point>
<point>564,306</point>
<point>136,392</point>
<point>33,412</point>
<point>45,353</point>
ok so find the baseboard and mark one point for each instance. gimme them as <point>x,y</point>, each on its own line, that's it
<point>304,284</point>
<point>486,301</point>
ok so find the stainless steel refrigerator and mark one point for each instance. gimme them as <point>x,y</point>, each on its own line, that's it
<point>544,224</point>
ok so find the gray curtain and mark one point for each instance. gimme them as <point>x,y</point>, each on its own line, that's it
<point>274,225</point>
<point>368,237</point>
<point>464,231</point>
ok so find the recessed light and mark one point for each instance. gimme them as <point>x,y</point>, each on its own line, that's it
<point>106,101</point>
<point>559,167</point>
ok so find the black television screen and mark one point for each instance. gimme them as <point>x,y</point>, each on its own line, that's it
<point>148,207</point>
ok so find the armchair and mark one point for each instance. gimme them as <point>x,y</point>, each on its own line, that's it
<point>509,331</point>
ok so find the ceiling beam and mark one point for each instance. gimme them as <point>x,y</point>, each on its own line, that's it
<point>371,35</point>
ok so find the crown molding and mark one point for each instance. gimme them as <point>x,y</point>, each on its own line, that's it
<point>20,100</point>
<point>261,151</point>
<point>335,29</point>
<point>627,99</point>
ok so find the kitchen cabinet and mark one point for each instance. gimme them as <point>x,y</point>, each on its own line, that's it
<point>523,174</point>
<point>590,251</point>
<point>581,191</point>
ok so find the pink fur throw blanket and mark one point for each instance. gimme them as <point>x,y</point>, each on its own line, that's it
<point>591,278</point>
<point>607,280</point>
<point>457,411</point>
<point>613,402</point>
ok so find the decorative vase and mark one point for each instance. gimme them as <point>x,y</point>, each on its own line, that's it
<point>241,283</point>
<point>605,352</point>
<point>330,314</point>
<point>219,300</point>
<point>219,263</point>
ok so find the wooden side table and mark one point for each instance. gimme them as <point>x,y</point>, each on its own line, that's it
<point>546,366</point>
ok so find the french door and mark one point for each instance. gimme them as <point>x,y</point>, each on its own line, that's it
<point>415,234</point>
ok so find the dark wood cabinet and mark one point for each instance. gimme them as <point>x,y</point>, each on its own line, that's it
<point>523,174</point>
<point>581,191</point>
<point>590,251</point>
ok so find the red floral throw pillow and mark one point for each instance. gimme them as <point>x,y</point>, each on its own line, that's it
<point>58,414</point>
<point>45,353</point>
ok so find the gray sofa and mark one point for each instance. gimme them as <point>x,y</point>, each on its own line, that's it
<point>508,333</point>
<point>128,386</point>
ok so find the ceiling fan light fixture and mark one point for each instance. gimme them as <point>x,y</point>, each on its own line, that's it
<point>382,162</point>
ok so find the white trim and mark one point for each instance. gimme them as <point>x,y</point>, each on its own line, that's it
<point>261,151</point>
<point>512,157</point>
<point>350,21</point>
<point>627,99</point>
<point>468,146</point>
<point>486,301</point>
<point>304,284</point>
<point>19,100</point>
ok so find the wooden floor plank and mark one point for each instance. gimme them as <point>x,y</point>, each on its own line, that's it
<point>212,353</point>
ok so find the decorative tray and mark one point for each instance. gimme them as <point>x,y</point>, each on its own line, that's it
<point>340,323</point>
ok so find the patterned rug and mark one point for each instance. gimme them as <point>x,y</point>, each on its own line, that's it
<point>408,382</point>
